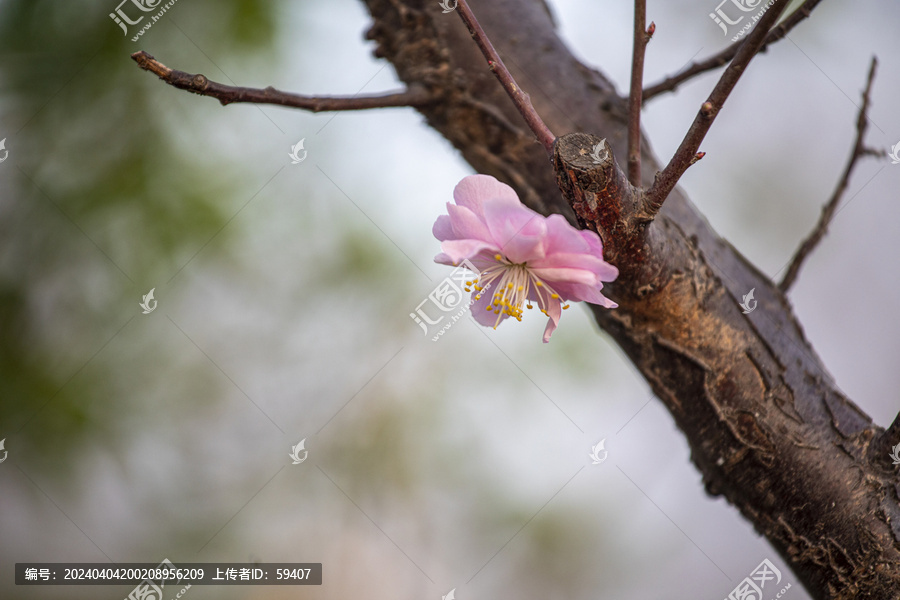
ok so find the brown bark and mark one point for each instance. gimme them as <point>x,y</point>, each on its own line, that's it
<point>767,426</point>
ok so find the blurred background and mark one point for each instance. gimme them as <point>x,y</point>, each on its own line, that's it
<point>284,293</point>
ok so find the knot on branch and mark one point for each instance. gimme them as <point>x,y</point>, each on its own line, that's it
<point>605,202</point>
<point>593,184</point>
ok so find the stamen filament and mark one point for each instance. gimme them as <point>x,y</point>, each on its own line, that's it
<point>515,282</point>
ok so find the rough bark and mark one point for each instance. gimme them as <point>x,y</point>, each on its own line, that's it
<point>768,428</point>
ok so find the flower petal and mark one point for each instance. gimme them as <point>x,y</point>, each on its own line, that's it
<point>562,237</point>
<point>466,224</point>
<point>587,262</point>
<point>585,293</point>
<point>529,244</point>
<point>593,240</point>
<point>554,311</point>
<point>442,228</point>
<point>480,311</point>
<point>474,189</point>
<point>457,250</point>
<point>519,231</point>
<point>443,259</point>
<point>560,275</point>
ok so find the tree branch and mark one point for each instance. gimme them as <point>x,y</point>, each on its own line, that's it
<point>519,98</point>
<point>686,155</point>
<point>669,84</point>
<point>415,96</point>
<point>641,38</point>
<point>768,428</point>
<point>821,228</point>
<point>883,445</point>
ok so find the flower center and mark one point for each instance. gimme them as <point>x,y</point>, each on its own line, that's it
<point>512,283</point>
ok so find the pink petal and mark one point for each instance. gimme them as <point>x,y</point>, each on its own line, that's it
<point>585,293</point>
<point>480,311</point>
<point>593,240</point>
<point>442,228</point>
<point>466,224</point>
<point>474,189</point>
<point>562,237</point>
<point>519,231</point>
<point>443,259</point>
<point>556,276</point>
<point>457,250</point>
<point>527,245</point>
<point>554,311</point>
<point>588,262</point>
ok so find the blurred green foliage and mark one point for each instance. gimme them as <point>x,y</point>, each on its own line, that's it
<point>92,207</point>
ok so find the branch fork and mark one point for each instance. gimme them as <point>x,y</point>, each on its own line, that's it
<point>604,201</point>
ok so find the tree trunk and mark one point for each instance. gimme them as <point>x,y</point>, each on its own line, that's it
<point>768,429</point>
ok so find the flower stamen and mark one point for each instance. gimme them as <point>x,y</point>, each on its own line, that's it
<point>515,281</point>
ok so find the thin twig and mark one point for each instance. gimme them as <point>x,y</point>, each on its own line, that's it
<point>828,211</point>
<point>777,33</point>
<point>686,155</point>
<point>641,37</point>
<point>519,98</point>
<point>228,94</point>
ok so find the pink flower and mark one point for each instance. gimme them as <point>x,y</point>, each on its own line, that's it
<point>522,256</point>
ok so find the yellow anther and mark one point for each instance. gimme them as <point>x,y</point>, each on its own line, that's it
<point>498,257</point>
<point>554,296</point>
